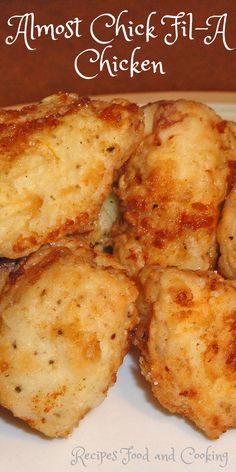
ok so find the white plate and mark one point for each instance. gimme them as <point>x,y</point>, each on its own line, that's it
<point>127,432</point>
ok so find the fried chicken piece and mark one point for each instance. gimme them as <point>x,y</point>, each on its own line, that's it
<point>66,313</point>
<point>188,343</point>
<point>58,159</point>
<point>228,130</point>
<point>227,237</point>
<point>226,232</point>
<point>171,189</point>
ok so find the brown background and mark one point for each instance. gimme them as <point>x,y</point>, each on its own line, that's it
<point>30,75</point>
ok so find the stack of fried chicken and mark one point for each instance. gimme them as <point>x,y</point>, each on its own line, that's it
<point>85,273</point>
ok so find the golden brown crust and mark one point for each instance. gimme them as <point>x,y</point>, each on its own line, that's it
<point>227,237</point>
<point>17,126</point>
<point>63,334</point>
<point>172,187</point>
<point>188,345</point>
<point>228,133</point>
<point>58,159</point>
<point>6,267</point>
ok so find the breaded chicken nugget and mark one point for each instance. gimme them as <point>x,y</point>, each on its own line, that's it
<point>227,237</point>
<point>228,130</point>
<point>57,164</point>
<point>171,189</point>
<point>66,313</point>
<point>188,345</point>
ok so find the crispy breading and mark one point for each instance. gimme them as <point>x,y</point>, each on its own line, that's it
<point>66,313</point>
<point>227,237</point>
<point>188,343</point>
<point>226,232</point>
<point>58,159</point>
<point>171,189</point>
<point>6,266</point>
<point>228,130</point>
